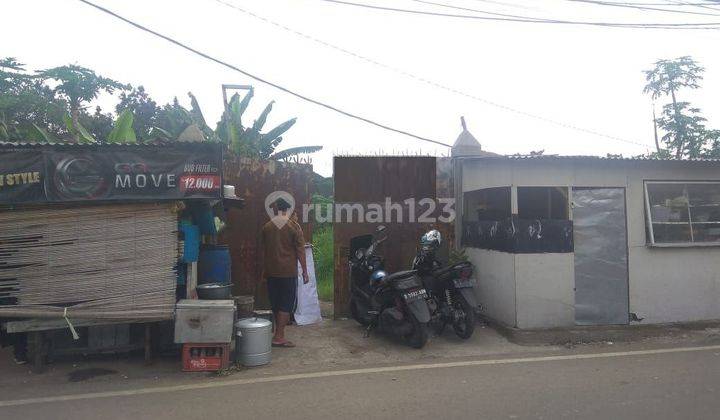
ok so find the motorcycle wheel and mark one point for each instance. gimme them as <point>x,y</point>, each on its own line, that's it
<point>419,335</point>
<point>464,327</point>
<point>355,311</point>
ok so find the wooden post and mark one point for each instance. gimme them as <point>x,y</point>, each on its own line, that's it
<point>191,283</point>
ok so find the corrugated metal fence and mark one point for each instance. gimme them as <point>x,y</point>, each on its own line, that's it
<point>253,181</point>
<point>372,180</point>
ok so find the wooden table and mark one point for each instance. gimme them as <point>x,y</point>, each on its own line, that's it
<point>38,348</point>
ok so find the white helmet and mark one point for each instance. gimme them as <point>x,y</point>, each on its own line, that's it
<point>431,239</point>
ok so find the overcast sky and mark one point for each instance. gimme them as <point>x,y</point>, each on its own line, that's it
<point>584,76</point>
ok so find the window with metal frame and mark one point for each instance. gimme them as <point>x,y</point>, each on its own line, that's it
<point>683,213</point>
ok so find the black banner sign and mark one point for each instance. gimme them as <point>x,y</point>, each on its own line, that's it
<point>520,236</point>
<point>36,174</point>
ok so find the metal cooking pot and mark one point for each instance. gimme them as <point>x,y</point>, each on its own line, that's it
<point>214,291</point>
<point>253,341</point>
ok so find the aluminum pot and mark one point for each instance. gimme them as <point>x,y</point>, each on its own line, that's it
<point>253,341</point>
<point>214,291</point>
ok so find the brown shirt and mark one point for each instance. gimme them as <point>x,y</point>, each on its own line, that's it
<point>281,248</point>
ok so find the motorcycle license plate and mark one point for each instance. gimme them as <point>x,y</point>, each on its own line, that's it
<point>414,295</point>
<point>464,283</point>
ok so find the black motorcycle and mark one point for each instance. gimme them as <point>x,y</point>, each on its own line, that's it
<point>394,304</point>
<point>451,288</point>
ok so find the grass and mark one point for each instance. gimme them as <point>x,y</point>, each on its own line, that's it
<point>324,264</point>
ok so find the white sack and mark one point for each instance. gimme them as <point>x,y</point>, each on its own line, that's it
<point>308,304</point>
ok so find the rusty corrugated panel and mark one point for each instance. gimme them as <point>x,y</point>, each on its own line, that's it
<point>253,181</point>
<point>366,180</point>
<point>371,179</point>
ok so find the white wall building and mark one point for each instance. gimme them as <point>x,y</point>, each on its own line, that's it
<point>564,241</point>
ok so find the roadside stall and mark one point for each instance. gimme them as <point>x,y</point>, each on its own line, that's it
<point>91,248</point>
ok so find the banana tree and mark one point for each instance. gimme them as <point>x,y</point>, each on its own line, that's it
<point>251,141</point>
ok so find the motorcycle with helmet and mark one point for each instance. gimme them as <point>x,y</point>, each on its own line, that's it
<point>450,287</point>
<point>392,303</point>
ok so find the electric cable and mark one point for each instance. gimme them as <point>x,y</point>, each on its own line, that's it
<point>257,78</point>
<point>639,7</point>
<point>425,80</point>
<point>525,19</point>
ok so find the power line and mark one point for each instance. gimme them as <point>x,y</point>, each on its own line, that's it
<point>673,4</point>
<point>525,19</point>
<point>480,11</point>
<point>593,2</point>
<point>424,80</point>
<point>259,79</point>
<point>641,7</point>
<point>698,5</point>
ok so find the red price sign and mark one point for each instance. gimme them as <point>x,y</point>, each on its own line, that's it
<point>199,182</point>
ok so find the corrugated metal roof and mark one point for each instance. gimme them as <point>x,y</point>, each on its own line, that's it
<point>31,145</point>
<point>586,157</point>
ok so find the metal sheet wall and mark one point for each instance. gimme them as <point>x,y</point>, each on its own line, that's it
<point>365,180</point>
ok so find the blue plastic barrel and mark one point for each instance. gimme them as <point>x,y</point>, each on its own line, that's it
<point>191,238</point>
<point>214,264</point>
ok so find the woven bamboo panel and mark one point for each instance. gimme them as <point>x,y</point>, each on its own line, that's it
<point>105,260</point>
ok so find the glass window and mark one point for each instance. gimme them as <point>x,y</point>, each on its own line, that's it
<point>488,204</point>
<point>683,212</point>
<point>538,203</point>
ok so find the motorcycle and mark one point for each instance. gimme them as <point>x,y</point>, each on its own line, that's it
<point>450,288</point>
<point>395,303</point>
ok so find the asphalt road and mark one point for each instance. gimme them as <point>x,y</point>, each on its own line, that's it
<point>664,384</point>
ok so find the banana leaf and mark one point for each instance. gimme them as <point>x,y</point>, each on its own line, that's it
<point>195,111</point>
<point>4,135</point>
<point>123,132</point>
<point>279,130</point>
<point>159,133</point>
<point>295,151</point>
<point>37,134</point>
<point>260,122</point>
<point>84,136</point>
<point>242,106</point>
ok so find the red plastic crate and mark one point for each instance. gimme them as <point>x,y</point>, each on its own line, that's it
<point>205,357</point>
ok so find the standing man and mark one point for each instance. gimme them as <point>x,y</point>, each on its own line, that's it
<point>282,246</point>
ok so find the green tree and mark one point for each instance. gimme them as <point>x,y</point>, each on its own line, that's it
<point>99,124</point>
<point>144,109</point>
<point>29,110</point>
<point>667,78</point>
<point>172,119</point>
<point>78,86</point>
<point>681,117</point>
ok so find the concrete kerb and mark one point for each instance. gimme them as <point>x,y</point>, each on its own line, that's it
<point>596,333</point>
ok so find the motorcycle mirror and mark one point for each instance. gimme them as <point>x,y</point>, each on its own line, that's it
<point>381,228</point>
